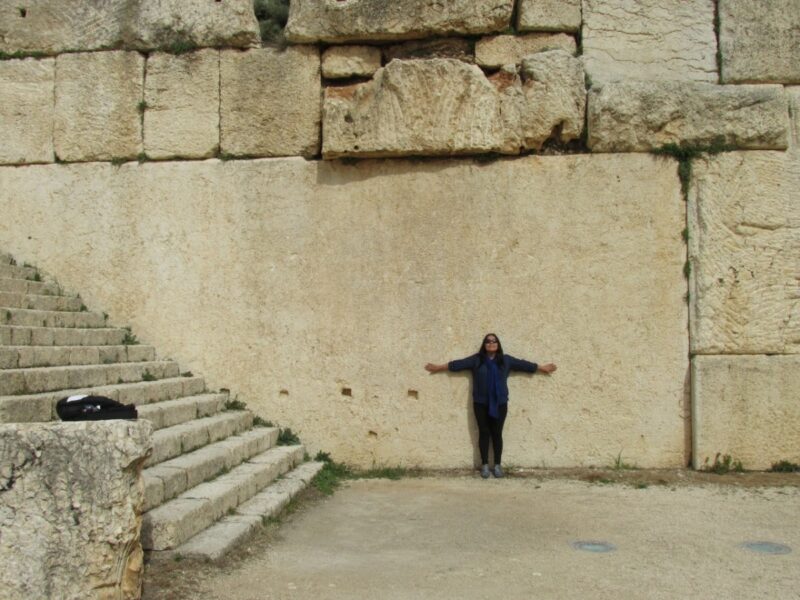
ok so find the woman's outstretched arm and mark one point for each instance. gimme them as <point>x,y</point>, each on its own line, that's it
<point>432,368</point>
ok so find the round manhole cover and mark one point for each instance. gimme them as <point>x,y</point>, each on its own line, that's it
<point>593,546</point>
<point>767,547</point>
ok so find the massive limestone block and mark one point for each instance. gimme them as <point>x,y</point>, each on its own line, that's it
<point>98,96</point>
<point>640,116</point>
<point>363,20</point>
<point>26,110</point>
<point>659,40</point>
<point>270,101</point>
<point>444,106</point>
<point>161,23</point>
<point>549,15</point>
<point>496,51</point>
<point>760,41</point>
<point>54,26</point>
<point>746,407</point>
<point>794,111</point>
<point>181,93</point>
<point>744,247</point>
<point>350,61</point>
<point>457,48</point>
<point>574,259</point>
<point>71,497</point>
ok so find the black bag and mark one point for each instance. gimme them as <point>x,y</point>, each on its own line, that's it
<point>94,408</point>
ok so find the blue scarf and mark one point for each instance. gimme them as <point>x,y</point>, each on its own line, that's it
<point>494,387</point>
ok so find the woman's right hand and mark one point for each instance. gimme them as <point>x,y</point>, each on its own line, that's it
<point>432,368</point>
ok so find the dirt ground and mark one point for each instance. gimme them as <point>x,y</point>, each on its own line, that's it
<point>673,534</point>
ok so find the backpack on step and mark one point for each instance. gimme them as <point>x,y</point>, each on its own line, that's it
<point>93,408</point>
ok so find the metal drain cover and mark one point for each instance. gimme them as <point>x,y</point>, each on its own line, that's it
<point>594,546</point>
<point>767,547</point>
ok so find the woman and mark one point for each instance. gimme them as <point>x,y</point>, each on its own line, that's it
<point>490,369</point>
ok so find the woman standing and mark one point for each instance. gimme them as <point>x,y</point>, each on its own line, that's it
<point>490,369</point>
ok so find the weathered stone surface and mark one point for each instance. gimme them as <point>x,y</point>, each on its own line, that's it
<point>746,407</point>
<point>549,15</point>
<point>343,262</point>
<point>54,26</point>
<point>499,50</point>
<point>444,106</point>
<point>364,20</point>
<point>760,41</point>
<point>350,61</point>
<point>181,93</point>
<point>26,110</point>
<point>70,509</point>
<point>744,247</point>
<point>161,23</point>
<point>270,102</point>
<point>659,40</point>
<point>638,116</point>
<point>97,105</point>
<point>794,112</point>
<point>457,48</point>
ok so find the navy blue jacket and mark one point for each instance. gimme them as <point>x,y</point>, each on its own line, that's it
<point>480,375</point>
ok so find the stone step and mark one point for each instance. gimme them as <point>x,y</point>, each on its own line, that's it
<point>51,318</point>
<point>40,301</point>
<point>25,357</point>
<point>49,379</point>
<point>173,412</point>
<point>17,272</point>
<point>164,481</point>
<point>216,541</point>
<point>185,437</point>
<point>41,407</point>
<point>60,336</point>
<point>26,286</point>
<point>176,521</point>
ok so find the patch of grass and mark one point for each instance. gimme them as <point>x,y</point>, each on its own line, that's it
<point>784,466</point>
<point>685,234</point>
<point>148,376</point>
<point>22,54</point>
<point>118,161</point>
<point>7,316</point>
<point>178,557</point>
<point>235,404</point>
<point>393,473</point>
<point>687,269</point>
<point>641,485</point>
<point>187,374</point>
<point>287,437</point>
<point>723,463</point>
<point>181,46</point>
<point>686,153</point>
<point>12,261</point>
<point>130,338</point>
<point>141,157</point>
<point>83,308</point>
<point>619,464</point>
<point>330,476</point>
<point>141,107</point>
<point>272,16</point>
<point>259,422</point>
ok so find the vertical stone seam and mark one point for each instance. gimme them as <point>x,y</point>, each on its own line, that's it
<point>55,105</point>
<point>718,53</point>
<point>143,101</point>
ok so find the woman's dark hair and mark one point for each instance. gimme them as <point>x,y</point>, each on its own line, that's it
<point>498,358</point>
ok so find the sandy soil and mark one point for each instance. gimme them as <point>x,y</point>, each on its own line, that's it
<point>675,533</point>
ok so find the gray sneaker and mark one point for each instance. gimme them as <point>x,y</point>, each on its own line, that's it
<point>498,472</point>
<point>485,471</point>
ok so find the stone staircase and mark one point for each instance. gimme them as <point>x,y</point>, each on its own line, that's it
<point>213,477</point>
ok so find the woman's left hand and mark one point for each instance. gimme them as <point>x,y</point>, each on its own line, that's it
<point>548,368</point>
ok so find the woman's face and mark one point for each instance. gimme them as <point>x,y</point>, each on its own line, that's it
<point>490,343</point>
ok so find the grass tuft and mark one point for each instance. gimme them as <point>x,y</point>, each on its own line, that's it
<point>723,464</point>
<point>287,437</point>
<point>784,466</point>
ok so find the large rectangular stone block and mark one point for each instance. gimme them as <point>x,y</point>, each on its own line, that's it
<point>445,106</point>
<point>270,102</point>
<point>549,15</point>
<point>365,20</point>
<point>639,116</point>
<point>744,248</point>
<point>26,110</point>
<point>98,95</point>
<point>746,407</point>
<point>499,50</point>
<point>368,270</point>
<point>54,26</point>
<point>656,40</point>
<point>760,41</point>
<point>181,117</point>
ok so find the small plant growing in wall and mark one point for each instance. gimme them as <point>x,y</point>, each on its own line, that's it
<point>287,437</point>
<point>723,463</point>
<point>272,16</point>
<point>148,376</point>
<point>784,466</point>
<point>130,338</point>
<point>235,404</point>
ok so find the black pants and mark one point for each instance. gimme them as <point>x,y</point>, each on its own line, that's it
<point>489,427</point>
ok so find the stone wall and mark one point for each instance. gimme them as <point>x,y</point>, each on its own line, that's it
<point>71,499</point>
<point>341,266</point>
